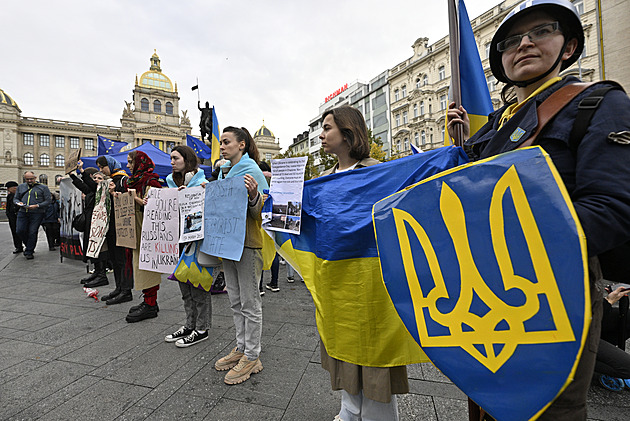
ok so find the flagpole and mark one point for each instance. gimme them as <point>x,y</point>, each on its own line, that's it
<point>198,96</point>
<point>453,27</point>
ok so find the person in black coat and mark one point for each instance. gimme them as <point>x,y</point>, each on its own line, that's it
<point>51,223</point>
<point>11,211</point>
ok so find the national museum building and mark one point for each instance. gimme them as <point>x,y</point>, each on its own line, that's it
<point>41,144</point>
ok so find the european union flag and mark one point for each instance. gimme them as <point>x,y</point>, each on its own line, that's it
<point>202,150</point>
<point>109,147</point>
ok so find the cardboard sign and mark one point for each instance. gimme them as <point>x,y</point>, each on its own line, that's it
<point>191,203</point>
<point>125,214</point>
<point>485,265</point>
<point>100,220</point>
<point>225,214</point>
<point>159,251</point>
<point>72,160</point>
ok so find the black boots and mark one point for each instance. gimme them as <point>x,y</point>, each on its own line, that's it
<point>142,312</point>
<point>99,277</point>
<point>123,297</point>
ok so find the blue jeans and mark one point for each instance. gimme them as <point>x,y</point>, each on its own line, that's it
<point>27,227</point>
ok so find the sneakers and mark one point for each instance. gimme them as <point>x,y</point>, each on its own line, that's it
<point>262,292</point>
<point>241,371</point>
<point>290,279</point>
<point>229,361</point>
<point>142,312</point>
<point>192,339</point>
<point>180,333</point>
<point>273,288</point>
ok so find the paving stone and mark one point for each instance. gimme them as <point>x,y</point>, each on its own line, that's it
<point>135,413</point>
<point>227,409</point>
<point>313,398</point>
<point>431,388</point>
<point>31,322</point>
<point>296,336</point>
<point>451,409</point>
<point>431,372</point>
<point>416,407</point>
<point>14,367</point>
<point>181,406</point>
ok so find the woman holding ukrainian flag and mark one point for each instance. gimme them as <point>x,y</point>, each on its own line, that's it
<point>535,42</point>
<point>242,277</point>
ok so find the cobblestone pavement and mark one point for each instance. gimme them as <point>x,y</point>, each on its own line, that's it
<point>65,356</point>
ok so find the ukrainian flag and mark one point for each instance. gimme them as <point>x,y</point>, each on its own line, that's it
<point>336,254</point>
<point>475,96</point>
<point>216,133</point>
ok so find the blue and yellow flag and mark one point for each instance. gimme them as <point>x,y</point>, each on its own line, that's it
<point>336,255</point>
<point>486,265</point>
<point>216,134</point>
<point>202,150</point>
<point>474,87</point>
<point>108,147</point>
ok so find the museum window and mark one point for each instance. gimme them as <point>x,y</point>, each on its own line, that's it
<point>29,139</point>
<point>44,140</point>
<point>146,141</point>
<point>159,144</point>
<point>75,143</point>
<point>268,156</point>
<point>28,158</point>
<point>44,160</point>
<point>89,144</point>
<point>405,120</point>
<point>58,178</point>
<point>60,161</point>
<point>157,106</point>
<point>169,146</point>
<point>404,91</point>
<point>144,104</point>
<point>441,73</point>
<point>169,108</point>
<point>60,142</point>
<point>43,179</point>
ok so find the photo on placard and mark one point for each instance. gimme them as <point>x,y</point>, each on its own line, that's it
<point>193,222</point>
<point>294,208</point>
<point>279,208</point>
<point>277,220</point>
<point>292,223</point>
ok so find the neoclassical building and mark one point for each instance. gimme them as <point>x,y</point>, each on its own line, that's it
<point>267,144</point>
<point>419,85</point>
<point>41,144</point>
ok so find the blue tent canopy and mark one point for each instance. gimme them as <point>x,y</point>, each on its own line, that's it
<point>161,159</point>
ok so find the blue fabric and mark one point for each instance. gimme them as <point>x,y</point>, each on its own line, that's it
<point>161,159</point>
<point>109,147</point>
<point>113,164</point>
<point>246,165</point>
<point>198,179</point>
<point>202,150</point>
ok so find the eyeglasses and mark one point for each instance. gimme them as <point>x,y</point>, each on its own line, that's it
<point>538,33</point>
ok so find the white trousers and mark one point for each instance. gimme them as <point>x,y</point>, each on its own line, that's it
<point>360,408</point>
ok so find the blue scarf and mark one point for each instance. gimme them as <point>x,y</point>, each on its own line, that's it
<point>113,164</point>
<point>198,178</point>
<point>246,166</point>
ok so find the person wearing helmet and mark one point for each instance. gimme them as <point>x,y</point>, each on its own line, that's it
<point>532,46</point>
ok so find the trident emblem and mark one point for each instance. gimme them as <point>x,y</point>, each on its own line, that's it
<point>490,338</point>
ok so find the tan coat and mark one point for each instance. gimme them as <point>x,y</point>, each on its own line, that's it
<point>142,279</point>
<point>377,383</point>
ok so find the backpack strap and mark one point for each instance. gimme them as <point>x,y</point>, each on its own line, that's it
<point>548,109</point>
<point>586,110</point>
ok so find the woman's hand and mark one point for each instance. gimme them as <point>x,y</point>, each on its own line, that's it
<point>112,187</point>
<point>616,295</point>
<point>80,166</point>
<point>458,116</point>
<point>181,188</point>
<point>252,186</point>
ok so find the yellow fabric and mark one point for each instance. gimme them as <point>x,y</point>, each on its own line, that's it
<point>268,250</point>
<point>374,332</point>
<point>513,109</point>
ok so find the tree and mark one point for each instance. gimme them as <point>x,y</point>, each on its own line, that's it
<point>310,171</point>
<point>376,147</point>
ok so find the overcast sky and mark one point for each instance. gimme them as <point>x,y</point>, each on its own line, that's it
<point>268,59</point>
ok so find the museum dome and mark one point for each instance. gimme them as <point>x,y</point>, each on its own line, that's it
<point>7,100</point>
<point>264,131</point>
<point>154,78</point>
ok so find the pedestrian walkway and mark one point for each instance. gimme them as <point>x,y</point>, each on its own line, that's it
<point>65,356</point>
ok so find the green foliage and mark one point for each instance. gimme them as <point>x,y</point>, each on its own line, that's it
<point>376,147</point>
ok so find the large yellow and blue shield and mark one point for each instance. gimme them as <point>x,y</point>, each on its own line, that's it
<point>486,266</point>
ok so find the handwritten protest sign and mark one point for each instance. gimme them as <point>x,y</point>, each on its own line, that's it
<point>283,209</point>
<point>191,202</point>
<point>125,218</point>
<point>72,160</point>
<point>100,220</point>
<point>225,213</point>
<point>159,251</point>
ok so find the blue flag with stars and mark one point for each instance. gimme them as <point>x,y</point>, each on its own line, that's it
<point>109,147</point>
<point>202,150</point>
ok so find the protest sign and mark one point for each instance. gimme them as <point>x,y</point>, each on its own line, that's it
<point>191,202</point>
<point>225,213</point>
<point>283,210</point>
<point>70,205</point>
<point>125,217</point>
<point>72,160</point>
<point>100,220</point>
<point>159,251</point>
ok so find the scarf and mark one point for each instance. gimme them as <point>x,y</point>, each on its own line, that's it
<point>143,173</point>
<point>113,164</point>
<point>246,166</point>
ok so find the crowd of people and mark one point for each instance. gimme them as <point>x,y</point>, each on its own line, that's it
<point>534,43</point>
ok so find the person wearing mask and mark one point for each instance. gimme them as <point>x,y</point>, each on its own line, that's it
<point>535,42</point>
<point>121,257</point>
<point>367,393</point>
<point>32,198</point>
<point>242,277</point>
<point>142,178</point>
<point>11,211</point>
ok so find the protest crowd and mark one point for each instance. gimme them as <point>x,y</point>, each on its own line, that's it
<point>535,42</point>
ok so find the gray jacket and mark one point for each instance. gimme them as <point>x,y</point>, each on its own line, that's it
<point>37,195</point>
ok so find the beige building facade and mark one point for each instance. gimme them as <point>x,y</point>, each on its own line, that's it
<point>267,144</point>
<point>419,85</point>
<point>41,144</point>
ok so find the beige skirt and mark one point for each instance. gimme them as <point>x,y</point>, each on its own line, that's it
<point>142,279</point>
